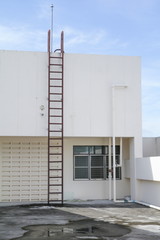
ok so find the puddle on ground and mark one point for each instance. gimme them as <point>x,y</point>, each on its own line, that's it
<point>84,229</point>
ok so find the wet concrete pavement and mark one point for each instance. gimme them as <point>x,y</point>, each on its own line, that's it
<point>80,220</point>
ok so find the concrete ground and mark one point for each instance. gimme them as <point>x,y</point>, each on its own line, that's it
<point>80,220</point>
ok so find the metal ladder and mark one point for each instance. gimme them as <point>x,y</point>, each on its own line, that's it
<point>55,123</point>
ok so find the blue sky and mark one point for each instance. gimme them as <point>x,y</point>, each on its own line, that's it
<point>114,27</point>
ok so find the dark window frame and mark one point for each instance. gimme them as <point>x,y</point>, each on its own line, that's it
<point>92,152</point>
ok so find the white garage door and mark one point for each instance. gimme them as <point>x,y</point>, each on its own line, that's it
<point>23,169</point>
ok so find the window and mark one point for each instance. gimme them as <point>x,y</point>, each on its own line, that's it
<point>92,162</point>
<point>81,167</point>
<point>97,167</point>
<point>81,150</point>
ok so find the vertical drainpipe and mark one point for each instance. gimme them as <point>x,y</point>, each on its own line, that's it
<point>113,136</point>
<point>113,143</point>
<point>121,148</point>
<point>109,172</point>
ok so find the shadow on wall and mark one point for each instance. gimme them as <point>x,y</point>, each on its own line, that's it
<point>151,146</point>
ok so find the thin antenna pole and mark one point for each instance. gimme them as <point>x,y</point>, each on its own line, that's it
<point>51,27</point>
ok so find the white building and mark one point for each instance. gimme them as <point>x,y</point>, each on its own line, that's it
<point>102,108</point>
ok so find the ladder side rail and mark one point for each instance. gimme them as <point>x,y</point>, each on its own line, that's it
<point>49,33</point>
<point>49,40</point>
<point>62,42</point>
<point>62,118</point>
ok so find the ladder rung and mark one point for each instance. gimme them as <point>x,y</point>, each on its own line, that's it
<point>55,93</point>
<point>56,177</point>
<point>55,130</point>
<point>55,57</point>
<point>56,138</point>
<point>55,184</point>
<point>55,146</point>
<point>55,161</point>
<point>55,86</point>
<point>54,169</point>
<point>57,79</point>
<point>55,193</point>
<point>56,108</point>
<point>55,115</point>
<point>55,71</point>
<point>55,64</point>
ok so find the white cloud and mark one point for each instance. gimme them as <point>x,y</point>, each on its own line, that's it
<point>28,39</point>
<point>9,35</point>
<point>93,41</point>
<point>21,38</point>
<point>77,37</point>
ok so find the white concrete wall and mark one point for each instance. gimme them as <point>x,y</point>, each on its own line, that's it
<point>88,95</point>
<point>149,192</point>
<point>23,89</point>
<point>23,171</point>
<point>148,168</point>
<point>148,180</point>
<point>89,189</point>
<point>88,81</point>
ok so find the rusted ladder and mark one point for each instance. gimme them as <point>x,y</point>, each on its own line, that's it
<point>55,123</point>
